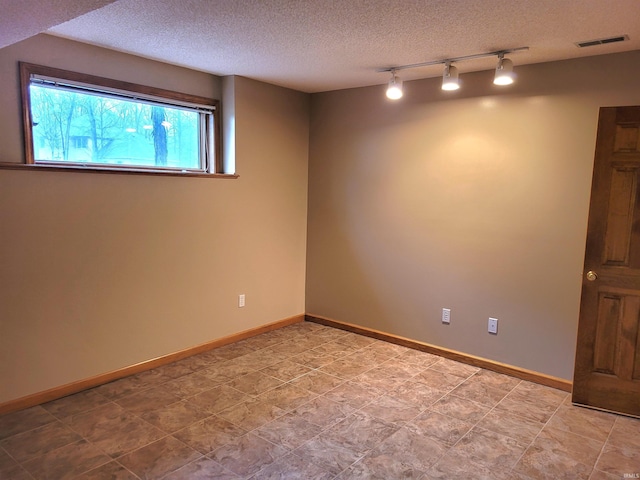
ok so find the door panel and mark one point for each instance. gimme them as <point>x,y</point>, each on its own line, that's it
<point>620,219</point>
<point>607,327</point>
<point>607,372</point>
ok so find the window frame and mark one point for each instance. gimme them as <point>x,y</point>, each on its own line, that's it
<point>132,90</point>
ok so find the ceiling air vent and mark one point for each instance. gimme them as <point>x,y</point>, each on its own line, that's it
<point>603,41</point>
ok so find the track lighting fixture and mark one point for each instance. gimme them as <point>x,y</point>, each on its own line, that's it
<point>450,80</point>
<point>394,90</point>
<point>504,71</point>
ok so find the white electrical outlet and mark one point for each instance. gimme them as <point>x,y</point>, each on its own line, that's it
<point>493,325</point>
<point>241,300</point>
<point>446,315</point>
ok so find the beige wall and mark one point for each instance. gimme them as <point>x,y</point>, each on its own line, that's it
<point>475,200</point>
<point>98,272</point>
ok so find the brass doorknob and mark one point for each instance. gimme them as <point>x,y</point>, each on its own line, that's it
<point>591,275</point>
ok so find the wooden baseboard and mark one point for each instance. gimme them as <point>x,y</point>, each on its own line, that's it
<point>487,364</point>
<point>75,387</point>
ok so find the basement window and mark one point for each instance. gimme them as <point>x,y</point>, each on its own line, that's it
<point>73,120</point>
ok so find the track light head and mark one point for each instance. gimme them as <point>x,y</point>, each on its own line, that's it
<point>504,71</point>
<point>450,80</point>
<point>394,90</point>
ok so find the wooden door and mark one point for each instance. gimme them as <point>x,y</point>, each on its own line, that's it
<point>607,371</point>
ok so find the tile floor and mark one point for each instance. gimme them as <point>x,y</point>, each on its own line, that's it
<point>312,402</point>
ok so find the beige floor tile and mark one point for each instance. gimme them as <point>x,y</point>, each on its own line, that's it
<point>286,370</point>
<point>412,448</point>
<point>521,403</point>
<point>496,380</point>
<point>66,462</point>
<point>386,348</point>
<point>352,394</point>
<point>361,430</point>
<point>10,469</point>
<point>292,467</point>
<point>201,361</point>
<point>232,351</point>
<point>148,400</point>
<point>251,413</point>
<point>451,466</point>
<point>441,428</point>
<point>114,430</point>
<point>313,402</point>
<point>418,358</point>
<point>209,434</point>
<point>176,369</point>
<point>437,379</point>
<point>75,404</point>
<point>327,334</point>
<point>202,469</point>
<point>290,431</point>
<point>460,408</point>
<point>583,421</point>
<point>451,367</point>
<point>317,382</point>
<point>380,466</point>
<point>519,428</point>
<point>226,371</point>
<point>418,394</point>
<point>581,449</point>
<point>489,449</point>
<point>542,394</point>
<point>109,471</point>
<point>396,369</point>
<point>314,359</point>
<point>380,380</point>
<point>286,350</point>
<point>301,344</point>
<point>132,384</point>
<point>287,397</point>
<point>39,441</point>
<point>260,342</point>
<point>392,410</point>
<point>324,412</point>
<point>335,348</point>
<point>479,392</point>
<point>190,385</point>
<point>218,398</point>
<point>598,475</point>
<point>259,360</point>
<point>541,464</point>
<point>255,383</point>
<point>122,387</point>
<point>175,417</point>
<point>5,460</point>
<point>329,453</point>
<point>159,458</point>
<point>24,420</point>
<point>15,473</point>
<point>619,461</point>
<point>248,454</point>
<point>355,340</point>
<point>370,356</point>
<point>346,368</point>
<point>625,433</point>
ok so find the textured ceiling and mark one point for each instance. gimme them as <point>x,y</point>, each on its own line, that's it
<point>20,19</point>
<point>319,45</point>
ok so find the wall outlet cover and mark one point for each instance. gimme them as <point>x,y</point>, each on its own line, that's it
<point>493,326</point>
